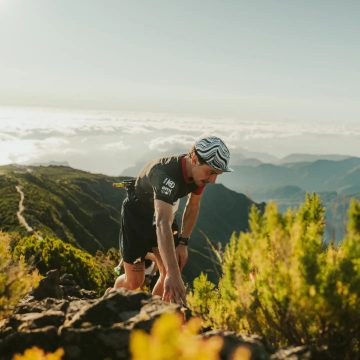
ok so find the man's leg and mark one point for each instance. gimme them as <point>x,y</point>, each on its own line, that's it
<point>133,278</point>
<point>159,286</point>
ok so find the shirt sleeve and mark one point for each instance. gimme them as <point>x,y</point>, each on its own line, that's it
<point>164,186</point>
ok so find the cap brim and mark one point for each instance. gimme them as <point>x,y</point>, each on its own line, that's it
<point>223,170</point>
<point>228,170</point>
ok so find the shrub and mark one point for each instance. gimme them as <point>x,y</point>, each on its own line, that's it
<point>38,354</point>
<point>15,278</point>
<point>51,253</point>
<point>281,281</point>
<point>170,340</point>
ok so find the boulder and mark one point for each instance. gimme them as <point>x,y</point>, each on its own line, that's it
<point>251,345</point>
<point>117,306</point>
<point>293,353</point>
<point>49,286</point>
<point>60,314</point>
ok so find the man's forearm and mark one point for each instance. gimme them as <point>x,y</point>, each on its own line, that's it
<point>189,220</point>
<point>167,249</point>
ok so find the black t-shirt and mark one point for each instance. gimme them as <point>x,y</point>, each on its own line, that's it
<point>165,179</point>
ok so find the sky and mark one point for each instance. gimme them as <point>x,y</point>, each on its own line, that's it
<point>99,83</point>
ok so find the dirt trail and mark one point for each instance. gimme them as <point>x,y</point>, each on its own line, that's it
<point>21,218</point>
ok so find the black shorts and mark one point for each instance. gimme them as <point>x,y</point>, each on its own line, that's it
<point>138,231</point>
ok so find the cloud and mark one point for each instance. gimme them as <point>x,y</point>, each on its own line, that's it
<point>16,151</point>
<point>137,130</point>
<point>51,144</point>
<point>26,122</point>
<point>31,134</point>
<point>164,144</point>
<point>115,146</point>
<point>7,137</point>
<point>27,150</point>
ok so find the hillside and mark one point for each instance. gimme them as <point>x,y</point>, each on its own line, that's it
<point>76,206</point>
<point>83,209</point>
<point>336,181</point>
<point>292,158</point>
<point>318,176</point>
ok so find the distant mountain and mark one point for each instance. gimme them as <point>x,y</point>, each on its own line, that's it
<point>336,181</point>
<point>336,206</point>
<point>320,175</point>
<point>50,163</point>
<point>83,209</point>
<point>292,158</point>
<point>250,162</point>
<point>284,193</point>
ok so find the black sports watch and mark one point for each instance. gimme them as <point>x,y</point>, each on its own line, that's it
<point>184,241</point>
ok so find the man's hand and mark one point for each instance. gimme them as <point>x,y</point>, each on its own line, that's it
<point>181,255</point>
<point>174,290</point>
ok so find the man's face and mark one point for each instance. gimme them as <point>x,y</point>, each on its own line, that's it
<point>204,174</point>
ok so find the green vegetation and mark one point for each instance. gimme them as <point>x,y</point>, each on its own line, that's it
<point>15,278</point>
<point>282,282</point>
<point>9,204</point>
<point>94,273</point>
<point>169,340</point>
<point>78,207</point>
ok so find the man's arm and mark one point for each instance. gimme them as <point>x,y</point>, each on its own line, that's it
<point>174,288</point>
<point>188,222</point>
<point>190,215</point>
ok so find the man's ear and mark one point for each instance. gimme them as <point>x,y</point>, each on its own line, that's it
<point>194,159</point>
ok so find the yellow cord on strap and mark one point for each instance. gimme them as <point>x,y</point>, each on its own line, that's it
<point>119,185</point>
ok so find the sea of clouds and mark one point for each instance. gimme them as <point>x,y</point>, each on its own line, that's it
<point>110,142</point>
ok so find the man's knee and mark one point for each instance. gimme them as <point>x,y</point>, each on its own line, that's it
<point>135,275</point>
<point>135,282</point>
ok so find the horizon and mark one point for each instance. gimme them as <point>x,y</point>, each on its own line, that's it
<point>109,142</point>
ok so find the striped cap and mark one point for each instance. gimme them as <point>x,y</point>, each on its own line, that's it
<point>214,152</point>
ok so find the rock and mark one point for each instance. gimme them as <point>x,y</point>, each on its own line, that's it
<point>251,345</point>
<point>76,305</point>
<point>100,343</point>
<point>32,305</point>
<point>149,313</point>
<point>49,287</point>
<point>117,306</point>
<point>87,294</point>
<point>71,290</point>
<point>293,353</point>
<point>45,338</point>
<point>39,320</point>
<point>67,279</point>
<point>60,314</point>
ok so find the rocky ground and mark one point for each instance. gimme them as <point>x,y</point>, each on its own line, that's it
<point>60,314</point>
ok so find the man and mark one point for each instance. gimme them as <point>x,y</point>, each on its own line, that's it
<point>149,210</point>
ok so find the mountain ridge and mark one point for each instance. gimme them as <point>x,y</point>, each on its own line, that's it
<point>84,209</point>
